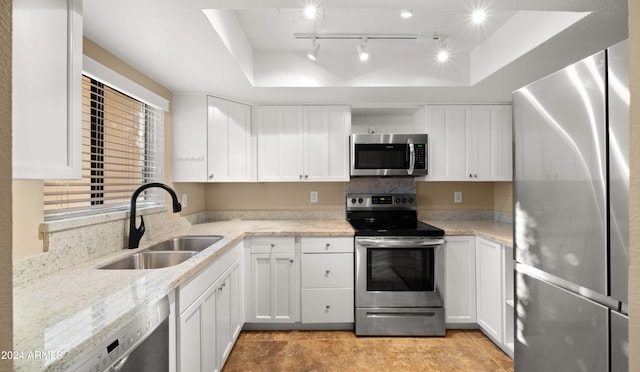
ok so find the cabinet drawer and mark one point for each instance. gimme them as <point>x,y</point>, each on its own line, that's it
<point>331,270</point>
<point>327,244</point>
<point>273,245</point>
<point>327,305</point>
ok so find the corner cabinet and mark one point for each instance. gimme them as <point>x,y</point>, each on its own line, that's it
<point>210,314</point>
<point>303,143</point>
<point>469,143</point>
<point>47,89</point>
<point>212,140</point>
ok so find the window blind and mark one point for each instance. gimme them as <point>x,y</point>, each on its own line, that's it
<point>122,148</point>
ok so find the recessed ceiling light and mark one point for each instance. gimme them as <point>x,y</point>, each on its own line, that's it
<point>310,11</point>
<point>443,55</point>
<point>478,16</point>
<point>406,13</point>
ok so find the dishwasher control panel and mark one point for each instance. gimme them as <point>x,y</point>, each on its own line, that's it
<point>115,350</point>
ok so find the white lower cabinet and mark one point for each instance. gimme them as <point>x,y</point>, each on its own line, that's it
<point>210,314</point>
<point>274,286</point>
<point>327,280</point>
<point>460,280</point>
<point>479,287</point>
<point>489,287</point>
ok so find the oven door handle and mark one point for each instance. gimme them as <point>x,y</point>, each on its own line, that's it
<point>398,243</point>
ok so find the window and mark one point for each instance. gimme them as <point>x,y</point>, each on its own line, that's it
<point>122,148</point>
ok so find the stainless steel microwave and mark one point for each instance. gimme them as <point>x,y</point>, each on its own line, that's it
<point>388,154</point>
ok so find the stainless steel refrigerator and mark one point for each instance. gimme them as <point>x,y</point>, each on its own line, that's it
<point>571,187</point>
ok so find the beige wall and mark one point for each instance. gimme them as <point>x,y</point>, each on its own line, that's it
<point>6,272</point>
<point>438,196</point>
<point>295,196</point>
<point>28,194</point>
<point>274,196</point>
<point>634,254</point>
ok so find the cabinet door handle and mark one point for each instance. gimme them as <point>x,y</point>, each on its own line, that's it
<point>328,307</point>
<point>291,260</point>
<point>211,176</point>
<point>470,176</point>
<point>306,176</point>
<point>300,176</point>
<point>326,272</point>
<point>475,175</point>
<point>272,245</point>
<point>327,246</point>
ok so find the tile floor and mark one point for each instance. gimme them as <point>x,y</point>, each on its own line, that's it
<point>460,350</point>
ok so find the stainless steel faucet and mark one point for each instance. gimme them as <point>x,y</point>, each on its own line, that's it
<point>135,233</point>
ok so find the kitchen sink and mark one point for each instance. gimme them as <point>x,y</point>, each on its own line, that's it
<point>150,260</point>
<point>164,254</point>
<point>186,243</point>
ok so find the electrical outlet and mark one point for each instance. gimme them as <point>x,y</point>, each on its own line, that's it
<point>313,197</point>
<point>184,201</point>
<point>457,196</point>
<point>372,130</point>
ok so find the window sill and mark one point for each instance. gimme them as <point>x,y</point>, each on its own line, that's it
<point>78,222</point>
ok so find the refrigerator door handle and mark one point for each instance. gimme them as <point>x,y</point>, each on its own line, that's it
<point>594,296</point>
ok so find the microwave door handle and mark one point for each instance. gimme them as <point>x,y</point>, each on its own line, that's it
<point>412,156</point>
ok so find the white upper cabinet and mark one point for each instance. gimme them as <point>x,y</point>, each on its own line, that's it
<point>190,115</point>
<point>47,89</point>
<point>309,143</point>
<point>446,127</point>
<point>212,140</point>
<point>469,143</point>
<point>231,146</point>
<point>490,143</point>
<point>280,143</point>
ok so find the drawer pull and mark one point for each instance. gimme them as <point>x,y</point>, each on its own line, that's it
<point>327,246</point>
<point>272,245</point>
<point>328,307</point>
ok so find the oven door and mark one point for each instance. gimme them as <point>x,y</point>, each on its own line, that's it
<point>399,272</point>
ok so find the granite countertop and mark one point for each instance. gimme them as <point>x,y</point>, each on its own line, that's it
<point>500,232</point>
<point>58,318</point>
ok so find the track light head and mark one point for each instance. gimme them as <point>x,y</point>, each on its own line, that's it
<point>313,53</point>
<point>363,53</point>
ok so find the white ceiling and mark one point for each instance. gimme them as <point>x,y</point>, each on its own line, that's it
<point>245,49</point>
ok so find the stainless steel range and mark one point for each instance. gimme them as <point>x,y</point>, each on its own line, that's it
<point>399,267</point>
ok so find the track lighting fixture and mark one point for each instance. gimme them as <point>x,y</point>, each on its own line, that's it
<point>361,47</point>
<point>313,53</point>
<point>442,50</point>
<point>363,54</point>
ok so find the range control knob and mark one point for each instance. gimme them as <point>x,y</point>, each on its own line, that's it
<point>404,200</point>
<point>411,200</point>
<point>397,200</point>
<point>360,200</point>
<point>353,200</point>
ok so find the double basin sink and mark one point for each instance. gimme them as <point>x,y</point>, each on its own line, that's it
<point>165,254</point>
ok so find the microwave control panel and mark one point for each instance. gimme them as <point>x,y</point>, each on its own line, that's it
<point>421,156</point>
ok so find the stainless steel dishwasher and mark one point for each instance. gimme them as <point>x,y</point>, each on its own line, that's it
<point>141,345</point>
